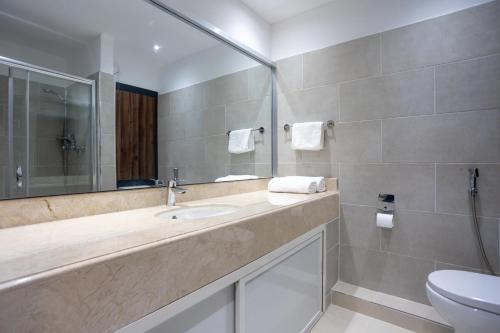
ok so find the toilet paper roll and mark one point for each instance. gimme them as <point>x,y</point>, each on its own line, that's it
<point>385,220</point>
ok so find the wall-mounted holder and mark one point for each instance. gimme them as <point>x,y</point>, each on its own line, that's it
<point>260,130</point>
<point>385,211</point>
<point>329,124</point>
<point>385,203</point>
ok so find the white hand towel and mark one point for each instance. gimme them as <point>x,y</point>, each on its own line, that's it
<point>241,141</point>
<point>292,184</point>
<point>308,136</point>
<point>231,178</point>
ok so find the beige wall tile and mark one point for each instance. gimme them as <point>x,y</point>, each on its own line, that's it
<point>343,62</point>
<point>459,137</point>
<point>289,74</point>
<point>386,272</point>
<point>315,104</point>
<point>227,89</point>
<point>452,189</point>
<point>441,237</point>
<point>443,39</point>
<point>358,228</point>
<point>412,184</point>
<point>403,94</point>
<point>468,85</point>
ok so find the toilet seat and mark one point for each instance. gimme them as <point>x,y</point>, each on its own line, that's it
<point>479,291</point>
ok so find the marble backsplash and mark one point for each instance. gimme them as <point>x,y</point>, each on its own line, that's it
<point>20,212</point>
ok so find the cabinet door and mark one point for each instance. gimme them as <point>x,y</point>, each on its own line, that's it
<point>213,314</point>
<point>284,297</point>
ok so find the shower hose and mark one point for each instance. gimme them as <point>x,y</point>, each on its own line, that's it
<point>479,238</point>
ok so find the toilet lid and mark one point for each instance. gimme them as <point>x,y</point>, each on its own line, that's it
<point>476,290</point>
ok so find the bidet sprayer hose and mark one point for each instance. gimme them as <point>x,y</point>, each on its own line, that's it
<point>473,195</point>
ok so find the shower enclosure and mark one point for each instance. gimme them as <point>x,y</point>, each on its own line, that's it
<point>47,131</point>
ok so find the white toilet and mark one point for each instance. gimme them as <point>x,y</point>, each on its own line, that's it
<point>470,302</point>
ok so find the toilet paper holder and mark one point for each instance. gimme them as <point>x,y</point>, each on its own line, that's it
<point>385,203</point>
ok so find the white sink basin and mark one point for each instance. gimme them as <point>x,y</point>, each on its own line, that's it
<point>198,212</point>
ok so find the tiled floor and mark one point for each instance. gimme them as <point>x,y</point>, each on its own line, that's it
<point>340,320</point>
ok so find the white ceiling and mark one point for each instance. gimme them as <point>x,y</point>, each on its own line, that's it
<point>274,11</point>
<point>135,25</point>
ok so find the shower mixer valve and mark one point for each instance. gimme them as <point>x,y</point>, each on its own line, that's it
<point>69,144</point>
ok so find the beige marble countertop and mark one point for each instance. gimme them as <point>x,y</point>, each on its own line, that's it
<point>39,248</point>
<point>99,273</point>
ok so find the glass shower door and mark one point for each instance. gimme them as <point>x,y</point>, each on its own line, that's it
<point>60,136</point>
<point>47,134</point>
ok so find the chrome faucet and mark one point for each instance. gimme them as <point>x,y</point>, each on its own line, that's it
<point>173,189</point>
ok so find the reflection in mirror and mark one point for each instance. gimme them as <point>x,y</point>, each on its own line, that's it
<point>47,144</point>
<point>88,103</point>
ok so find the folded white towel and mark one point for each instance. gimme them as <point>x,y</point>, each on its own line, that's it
<point>231,178</point>
<point>241,141</point>
<point>292,184</point>
<point>320,183</point>
<point>308,136</point>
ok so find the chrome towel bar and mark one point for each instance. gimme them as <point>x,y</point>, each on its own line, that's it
<point>329,124</point>
<point>260,129</point>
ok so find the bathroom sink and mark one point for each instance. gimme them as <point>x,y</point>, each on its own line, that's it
<point>198,212</point>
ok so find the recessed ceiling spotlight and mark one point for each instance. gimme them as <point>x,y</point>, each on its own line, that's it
<point>156,47</point>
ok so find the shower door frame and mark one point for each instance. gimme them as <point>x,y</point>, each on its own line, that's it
<point>94,117</point>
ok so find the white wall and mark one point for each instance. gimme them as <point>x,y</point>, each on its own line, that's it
<point>136,73</point>
<point>32,56</point>
<point>206,65</point>
<point>231,16</point>
<point>344,20</point>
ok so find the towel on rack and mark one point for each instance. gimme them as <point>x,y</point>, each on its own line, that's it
<point>308,136</point>
<point>241,141</point>
<point>292,184</point>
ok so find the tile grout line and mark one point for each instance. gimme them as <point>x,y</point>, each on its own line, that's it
<point>433,261</point>
<point>435,187</point>
<point>428,163</point>
<point>390,253</point>
<point>434,90</point>
<point>388,74</point>
<point>339,105</point>
<point>453,113</point>
<point>413,211</point>
<point>381,141</point>
<point>445,63</point>
<point>380,54</point>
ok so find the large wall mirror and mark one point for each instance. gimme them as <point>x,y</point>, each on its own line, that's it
<point>89,103</point>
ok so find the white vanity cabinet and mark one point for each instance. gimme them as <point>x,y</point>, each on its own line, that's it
<point>281,292</point>
<point>215,313</point>
<point>284,296</point>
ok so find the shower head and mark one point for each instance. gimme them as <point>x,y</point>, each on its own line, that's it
<point>52,92</point>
